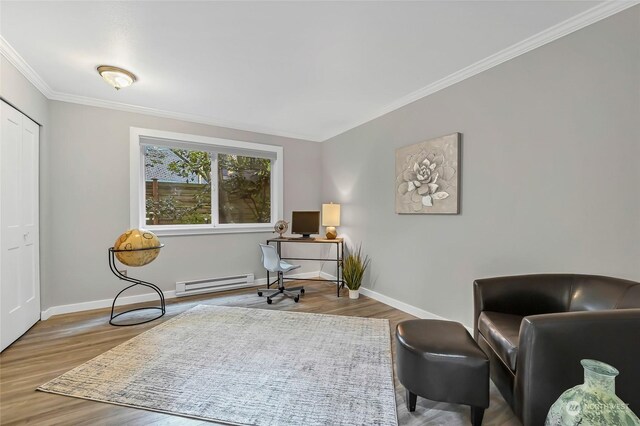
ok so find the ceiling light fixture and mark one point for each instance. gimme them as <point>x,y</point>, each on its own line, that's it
<point>117,77</point>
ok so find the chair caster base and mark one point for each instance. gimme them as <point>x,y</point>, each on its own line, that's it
<point>269,301</point>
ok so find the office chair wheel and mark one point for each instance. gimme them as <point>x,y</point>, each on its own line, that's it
<point>260,293</point>
<point>296,299</point>
<point>302,291</point>
<point>269,301</point>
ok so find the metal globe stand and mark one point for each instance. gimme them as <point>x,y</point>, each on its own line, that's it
<point>116,272</point>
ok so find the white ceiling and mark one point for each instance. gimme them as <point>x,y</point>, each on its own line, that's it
<point>303,69</point>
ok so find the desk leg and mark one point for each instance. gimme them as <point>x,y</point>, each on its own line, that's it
<point>338,268</point>
<point>342,264</point>
<point>278,249</point>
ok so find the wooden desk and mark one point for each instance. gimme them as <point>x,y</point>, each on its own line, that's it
<point>339,242</point>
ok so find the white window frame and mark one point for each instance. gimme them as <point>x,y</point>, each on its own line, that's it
<point>140,137</point>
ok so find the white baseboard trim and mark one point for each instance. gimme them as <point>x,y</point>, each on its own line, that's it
<point>104,303</point>
<point>326,276</point>
<point>395,303</point>
<point>147,297</point>
<point>404,307</point>
<point>170,294</point>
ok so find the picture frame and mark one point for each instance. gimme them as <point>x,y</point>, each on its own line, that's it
<point>428,176</point>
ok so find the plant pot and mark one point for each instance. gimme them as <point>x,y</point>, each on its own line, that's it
<point>354,294</point>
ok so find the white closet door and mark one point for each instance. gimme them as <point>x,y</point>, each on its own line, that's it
<point>19,233</point>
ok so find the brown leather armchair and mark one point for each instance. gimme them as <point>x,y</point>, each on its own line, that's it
<point>535,329</point>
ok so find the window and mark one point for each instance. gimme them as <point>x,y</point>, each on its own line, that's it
<point>187,184</point>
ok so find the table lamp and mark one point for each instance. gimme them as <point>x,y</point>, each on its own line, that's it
<point>331,219</point>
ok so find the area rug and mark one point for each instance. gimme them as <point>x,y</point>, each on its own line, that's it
<point>248,367</point>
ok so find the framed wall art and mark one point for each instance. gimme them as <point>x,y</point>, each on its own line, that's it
<point>428,176</point>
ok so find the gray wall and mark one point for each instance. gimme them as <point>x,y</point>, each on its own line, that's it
<point>550,173</point>
<point>549,183</point>
<point>18,91</point>
<point>88,175</point>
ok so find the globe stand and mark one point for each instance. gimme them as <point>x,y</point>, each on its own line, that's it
<point>117,273</point>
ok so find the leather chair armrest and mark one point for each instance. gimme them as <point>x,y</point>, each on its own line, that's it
<point>521,295</point>
<point>552,345</point>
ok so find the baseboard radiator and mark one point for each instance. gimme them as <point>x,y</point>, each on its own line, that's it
<point>210,285</point>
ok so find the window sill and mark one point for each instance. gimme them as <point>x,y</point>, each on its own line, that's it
<point>173,231</point>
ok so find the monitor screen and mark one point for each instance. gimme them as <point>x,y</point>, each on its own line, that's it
<point>305,223</point>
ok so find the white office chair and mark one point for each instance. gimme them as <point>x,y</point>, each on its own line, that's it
<point>273,263</point>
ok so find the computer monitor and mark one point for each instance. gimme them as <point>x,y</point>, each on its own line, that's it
<point>305,223</point>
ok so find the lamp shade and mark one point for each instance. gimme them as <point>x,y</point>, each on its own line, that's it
<point>331,214</point>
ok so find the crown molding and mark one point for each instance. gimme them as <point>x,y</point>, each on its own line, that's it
<point>192,118</point>
<point>30,74</point>
<point>25,69</point>
<point>575,23</point>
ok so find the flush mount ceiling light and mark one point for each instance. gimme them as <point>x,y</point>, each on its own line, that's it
<point>117,77</point>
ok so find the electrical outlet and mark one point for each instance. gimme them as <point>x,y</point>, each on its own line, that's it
<point>123,272</point>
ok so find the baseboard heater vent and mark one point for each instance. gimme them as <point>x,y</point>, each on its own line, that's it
<point>209,285</point>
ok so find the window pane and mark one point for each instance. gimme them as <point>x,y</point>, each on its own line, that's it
<point>178,186</point>
<point>244,185</point>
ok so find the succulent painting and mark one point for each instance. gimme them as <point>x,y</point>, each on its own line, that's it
<point>427,176</point>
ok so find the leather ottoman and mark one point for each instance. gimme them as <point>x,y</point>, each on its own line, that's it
<point>440,361</point>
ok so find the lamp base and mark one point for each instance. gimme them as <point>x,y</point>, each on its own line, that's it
<point>331,233</point>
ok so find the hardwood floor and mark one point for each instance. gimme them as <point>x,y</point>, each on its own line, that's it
<point>63,342</point>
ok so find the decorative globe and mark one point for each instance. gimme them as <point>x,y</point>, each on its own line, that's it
<point>136,240</point>
<point>281,227</point>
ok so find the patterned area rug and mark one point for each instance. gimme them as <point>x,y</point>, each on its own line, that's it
<point>248,367</point>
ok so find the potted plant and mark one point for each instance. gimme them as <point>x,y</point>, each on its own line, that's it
<point>355,264</point>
